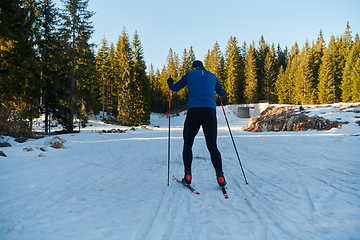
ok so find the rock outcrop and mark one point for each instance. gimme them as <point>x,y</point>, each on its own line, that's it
<point>289,119</point>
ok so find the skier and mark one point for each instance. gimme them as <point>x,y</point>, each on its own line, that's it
<point>202,85</point>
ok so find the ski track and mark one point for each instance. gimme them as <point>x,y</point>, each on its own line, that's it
<point>164,220</point>
<point>308,173</point>
<point>146,227</point>
<point>260,226</point>
<point>192,222</point>
<point>53,196</point>
<point>261,207</point>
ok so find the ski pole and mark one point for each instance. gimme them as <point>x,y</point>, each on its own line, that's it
<point>237,154</point>
<point>169,139</point>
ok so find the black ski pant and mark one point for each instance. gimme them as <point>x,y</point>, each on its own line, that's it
<point>205,117</point>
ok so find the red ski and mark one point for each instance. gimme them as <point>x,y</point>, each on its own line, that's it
<point>187,186</point>
<point>224,192</point>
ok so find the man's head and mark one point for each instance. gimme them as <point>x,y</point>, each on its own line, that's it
<point>197,64</point>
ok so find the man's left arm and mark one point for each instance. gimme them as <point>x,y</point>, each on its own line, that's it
<point>219,89</point>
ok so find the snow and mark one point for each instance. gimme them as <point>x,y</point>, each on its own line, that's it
<point>302,185</point>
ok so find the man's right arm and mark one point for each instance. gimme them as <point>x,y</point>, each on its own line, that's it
<point>179,84</point>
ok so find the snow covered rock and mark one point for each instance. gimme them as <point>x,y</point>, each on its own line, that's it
<point>2,154</point>
<point>55,142</point>
<point>20,139</point>
<point>29,149</point>
<point>5,144</point>
<point>289,119</point>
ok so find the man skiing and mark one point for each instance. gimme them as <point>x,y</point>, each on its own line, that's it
<point>202,85</point>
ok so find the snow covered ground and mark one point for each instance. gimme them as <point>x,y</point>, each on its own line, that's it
<point>302,185</point>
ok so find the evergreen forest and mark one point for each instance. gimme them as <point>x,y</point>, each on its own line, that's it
<point>49,67</point>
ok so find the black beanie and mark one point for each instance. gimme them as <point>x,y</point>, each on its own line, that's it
<point>197,64</point>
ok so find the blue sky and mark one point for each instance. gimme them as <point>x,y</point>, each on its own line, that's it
<point>179,24</point>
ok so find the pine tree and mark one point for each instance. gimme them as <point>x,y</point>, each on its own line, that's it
<point>102,65</point>
<point>50,58</point>
<point>260,62</point>
<point>326,86</point>
<point>112,106</point>
<point>187,59</point>
<point>269,76</point>
<point>191,55</point>
<point>355,75</point>
<point>294,52</point>
<point>185,63</point>
<point>329,74</point>
<point>356,72</point>
<point>141,86</point>
<point>281,59</point>
<point>123,71</point>
<point>304,79</point>
<point>19,95</point>
<point>251,78</point>
<point>164,90</point>
<point>214,62</point>
<point>85,94</point>
<point>173,65</point>
<point>207,61</point>
<point>345,45</point>
<point>222,73</point>
<point>234,81</point>
<point>155,90</point>
<point>173,69</point>
<point>190,59</point>
<point>350,84</point>
<point>292,74</point>
<point>77,31</point>
<point>282,91</point>
<point>318,52</point>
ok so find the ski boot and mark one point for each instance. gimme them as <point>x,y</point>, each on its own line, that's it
<point>187,178</point>
<point>221,179</point>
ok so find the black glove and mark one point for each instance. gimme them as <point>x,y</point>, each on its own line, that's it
<point>170,80</point>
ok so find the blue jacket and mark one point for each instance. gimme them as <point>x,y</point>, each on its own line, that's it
<point>202,85</point>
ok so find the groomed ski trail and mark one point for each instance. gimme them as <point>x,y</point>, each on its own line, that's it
<point>114,186</point>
